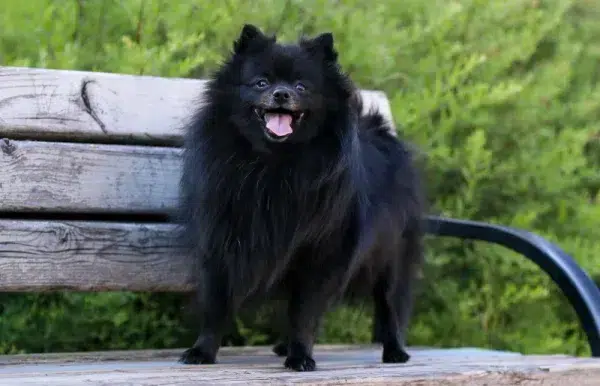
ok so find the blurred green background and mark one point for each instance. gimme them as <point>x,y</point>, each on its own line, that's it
<point>502,96</point>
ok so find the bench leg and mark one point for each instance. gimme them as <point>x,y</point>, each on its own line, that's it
<point>576,285</point>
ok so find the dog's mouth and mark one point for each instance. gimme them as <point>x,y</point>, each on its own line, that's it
<point>279,123</point>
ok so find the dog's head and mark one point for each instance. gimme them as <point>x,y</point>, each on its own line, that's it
<point>282,93</point>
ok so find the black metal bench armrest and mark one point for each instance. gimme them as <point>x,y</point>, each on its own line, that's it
<point>574,282</point>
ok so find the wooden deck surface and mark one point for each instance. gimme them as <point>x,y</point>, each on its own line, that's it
<point>336,365</point>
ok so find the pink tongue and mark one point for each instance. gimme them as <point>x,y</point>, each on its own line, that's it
<point>279,124</point>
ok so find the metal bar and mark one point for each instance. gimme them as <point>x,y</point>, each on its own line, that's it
<point>574,282</point>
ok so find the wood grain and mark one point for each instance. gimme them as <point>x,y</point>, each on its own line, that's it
<point>102,107</point>
<point>336,365</point>
<point>68,177</point>
<point>90,256</point>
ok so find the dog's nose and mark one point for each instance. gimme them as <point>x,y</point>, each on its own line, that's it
<point>281,95</point>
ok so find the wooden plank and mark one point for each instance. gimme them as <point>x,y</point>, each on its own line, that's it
<point>336,365</point>
<point>90,256</point>
<point>172,354</point>
<point>95,106</point>
<point>67,177</point>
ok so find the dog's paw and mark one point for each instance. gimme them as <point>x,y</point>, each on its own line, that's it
<point>300,363</point>
<point>281,349</point>
<point>195,356</point>
<point>394,355</point>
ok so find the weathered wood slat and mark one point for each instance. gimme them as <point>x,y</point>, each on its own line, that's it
<point>90,256</point>
<point>336,365</point>
<point>94,106</point>
<point>68,177</point>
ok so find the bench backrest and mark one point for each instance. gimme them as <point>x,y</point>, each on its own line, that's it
<point>89,169</point>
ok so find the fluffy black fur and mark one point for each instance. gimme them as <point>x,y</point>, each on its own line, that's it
<point>332,210</point>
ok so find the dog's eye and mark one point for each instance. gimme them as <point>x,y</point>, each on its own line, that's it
<point>261,83</point>
<point>300,87</point>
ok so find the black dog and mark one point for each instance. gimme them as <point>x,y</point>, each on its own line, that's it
<point>288,190</point>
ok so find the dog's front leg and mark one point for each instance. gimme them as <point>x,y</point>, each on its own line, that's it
<point>217,312</point>
<point>311,296</point>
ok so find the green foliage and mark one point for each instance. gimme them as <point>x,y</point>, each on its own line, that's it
<point>501,96</point>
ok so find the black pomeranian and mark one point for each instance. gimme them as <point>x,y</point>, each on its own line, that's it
<point>289,191</point>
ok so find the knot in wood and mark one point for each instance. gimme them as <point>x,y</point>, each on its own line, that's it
<point>62,235</point>
<point>7,146</point>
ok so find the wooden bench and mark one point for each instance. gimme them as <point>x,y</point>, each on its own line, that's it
<point>90,168</point>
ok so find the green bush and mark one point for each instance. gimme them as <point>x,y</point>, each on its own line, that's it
<point>501,96</point>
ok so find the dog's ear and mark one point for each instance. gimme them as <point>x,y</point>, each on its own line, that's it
<point>321,45</point>
<point>249,36</point>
